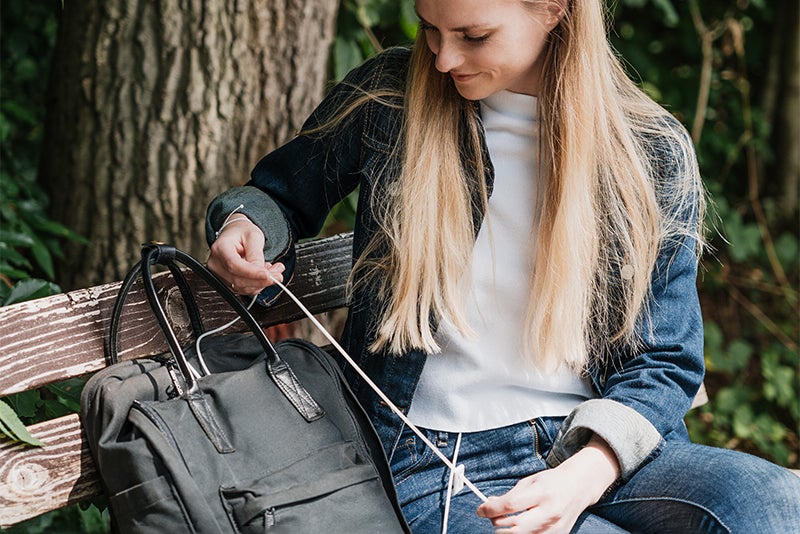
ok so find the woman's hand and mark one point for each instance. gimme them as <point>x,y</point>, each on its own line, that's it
<point>551,500</point>
<point>237,257</point>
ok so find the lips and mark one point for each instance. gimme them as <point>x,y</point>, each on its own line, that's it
<point>460,78</point>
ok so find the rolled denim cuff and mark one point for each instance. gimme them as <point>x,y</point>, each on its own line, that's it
<point>259,208</point>
<point>629,434</point>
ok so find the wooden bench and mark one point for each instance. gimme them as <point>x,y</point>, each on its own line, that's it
<point>60,337</point>
<point>55,338</point>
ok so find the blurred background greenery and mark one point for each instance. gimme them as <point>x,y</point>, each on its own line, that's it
<point>726,69</point>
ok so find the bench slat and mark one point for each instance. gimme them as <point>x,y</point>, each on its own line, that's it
<point>35,480</point>
<point>70,328</point>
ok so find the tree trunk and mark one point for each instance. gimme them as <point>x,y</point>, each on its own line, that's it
<point>156,106</point>
<point>787,125</point>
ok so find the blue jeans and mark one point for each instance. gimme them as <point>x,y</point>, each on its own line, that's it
<point>686,488</point>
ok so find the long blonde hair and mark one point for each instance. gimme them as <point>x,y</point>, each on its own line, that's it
<point>604,212</point>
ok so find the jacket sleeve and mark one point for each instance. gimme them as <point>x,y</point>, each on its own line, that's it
<point>645,393</point>
<point>292,189</point>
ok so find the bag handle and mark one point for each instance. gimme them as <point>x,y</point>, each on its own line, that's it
<point>167,255</point>
<point>112,341</point>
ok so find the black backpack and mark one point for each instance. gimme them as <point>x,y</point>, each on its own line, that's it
<point>272,440</point>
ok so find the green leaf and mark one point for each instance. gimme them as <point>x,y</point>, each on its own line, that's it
<point>54,408</point>
<point>729,399</point>
<point>13,257</point>
<point>367,14</point>
<point>26,403</point>
<point>21,113</point>
<point>68,392</point>
<point>713,336</point>
<point>93,520</point>
<point>786,247</point>
<point>59,230</point>
<point>30,289</point>
<point>43,258</point>
<point>12,427</point>
<point>14,274</point>
<point>744,239</point>
<point>346,55</point>
<point>739,352</point>
<point>16,239</point>
<point>671,18</point>
<point>408,19</point>
<point>729,360</point>
<point>743,425</point>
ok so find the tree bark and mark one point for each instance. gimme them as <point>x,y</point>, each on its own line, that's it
<point>787,125</point>
<point>155,107</point>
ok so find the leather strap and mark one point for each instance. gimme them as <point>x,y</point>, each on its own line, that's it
<point>169,256</point>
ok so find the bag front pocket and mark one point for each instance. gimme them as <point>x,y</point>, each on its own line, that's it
<point>328,491</point>
<point>151,506</point>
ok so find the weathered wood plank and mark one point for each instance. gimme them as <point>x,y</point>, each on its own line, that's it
<point>59,337</point>
<point>35,480</point>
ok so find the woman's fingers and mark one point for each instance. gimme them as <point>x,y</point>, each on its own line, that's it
<point>518,499</point>
<point>237,257</point>
<point>543,502</point>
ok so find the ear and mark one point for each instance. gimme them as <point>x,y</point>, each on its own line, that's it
<point>555,10</point>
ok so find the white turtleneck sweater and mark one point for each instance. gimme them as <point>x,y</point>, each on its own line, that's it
<point>486,382</point>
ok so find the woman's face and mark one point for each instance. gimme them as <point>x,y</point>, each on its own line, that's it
<point>488,45</point>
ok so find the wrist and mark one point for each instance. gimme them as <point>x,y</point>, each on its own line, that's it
<point>232,220</point>
<point>597,466</point>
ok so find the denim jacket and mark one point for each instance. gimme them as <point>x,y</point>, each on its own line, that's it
<point>642,395</point>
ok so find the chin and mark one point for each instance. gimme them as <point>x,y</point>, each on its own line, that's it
<point>476,93</point>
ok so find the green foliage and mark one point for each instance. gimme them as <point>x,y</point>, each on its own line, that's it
<point>11,426</point>
<point>71,520</point>
<point>29,240</point>
<point>365,27</point>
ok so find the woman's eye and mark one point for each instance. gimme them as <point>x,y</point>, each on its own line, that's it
<point>476,39</point>
<point>424,26</point>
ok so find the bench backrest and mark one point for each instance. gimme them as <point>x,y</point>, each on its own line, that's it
<point>55,338</point>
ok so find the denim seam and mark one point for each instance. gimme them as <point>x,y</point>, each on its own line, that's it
<point>425,460</point>
<point>663,499</point>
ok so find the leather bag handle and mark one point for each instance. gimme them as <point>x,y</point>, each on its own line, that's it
<point>112,341</point>
<point>167,255</point>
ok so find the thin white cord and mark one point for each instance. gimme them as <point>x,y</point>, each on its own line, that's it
<point>209,333</point>
<point>453,474</point>
<point>378,391</point>
<point>228,220</point>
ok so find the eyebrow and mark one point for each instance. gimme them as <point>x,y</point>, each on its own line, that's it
<point>462,29</point>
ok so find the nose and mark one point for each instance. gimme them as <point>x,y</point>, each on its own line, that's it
<point>448,57</point>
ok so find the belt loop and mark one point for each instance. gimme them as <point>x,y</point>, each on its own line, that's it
<point>441,439</point>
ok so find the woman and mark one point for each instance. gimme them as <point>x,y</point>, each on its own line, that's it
<point>524,287</point>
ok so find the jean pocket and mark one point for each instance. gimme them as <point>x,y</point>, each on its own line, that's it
<point>410,455</point>
<point>331,490</point>
<point>151,506</point>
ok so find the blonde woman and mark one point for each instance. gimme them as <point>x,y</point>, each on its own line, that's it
<point>526,248</point>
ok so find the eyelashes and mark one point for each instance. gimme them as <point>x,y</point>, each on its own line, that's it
<point>478,39</point>
<point>426,27</point>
